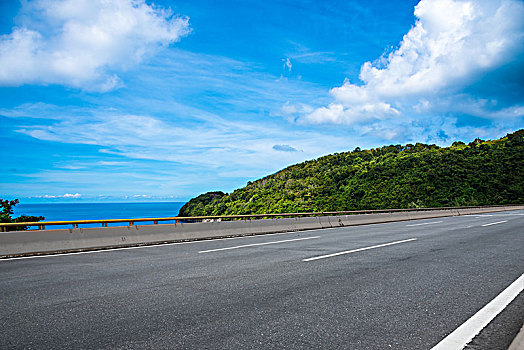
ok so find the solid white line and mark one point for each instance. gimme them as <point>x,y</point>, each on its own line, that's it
<point>509,214</point>
<point>257,244</point>
<point>490,215</point>
<point>468,330</point>
<point>494,223</point>
<point>358,250</point>
<point>426,223</point>
<point>144,246</point>
<point>95,251</point>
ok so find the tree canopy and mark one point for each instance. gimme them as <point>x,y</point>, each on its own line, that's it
<point>394,176</point>
<point>6,207</point>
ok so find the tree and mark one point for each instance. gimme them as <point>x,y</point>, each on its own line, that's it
<point>7,211</point>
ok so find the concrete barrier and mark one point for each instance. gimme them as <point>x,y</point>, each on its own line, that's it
<point>39,242</point>
<point>324,221</point>
<point>307,223</point>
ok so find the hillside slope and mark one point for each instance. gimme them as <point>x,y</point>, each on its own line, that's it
<point>420,175</point>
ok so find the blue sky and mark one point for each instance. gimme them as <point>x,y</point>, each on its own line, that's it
<point>130,100</point>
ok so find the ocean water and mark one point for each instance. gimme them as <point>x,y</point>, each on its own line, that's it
<point>93,211</point>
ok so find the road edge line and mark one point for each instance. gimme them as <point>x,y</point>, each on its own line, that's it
<point>461,336</point>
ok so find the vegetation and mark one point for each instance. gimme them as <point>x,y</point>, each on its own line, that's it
<point>7,211</point>
<point>420,175</point>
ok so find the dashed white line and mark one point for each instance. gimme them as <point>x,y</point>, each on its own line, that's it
<point>358,250</point>
<point>468,330</point>
<point>494,223</point>
<point>426,223</point>
<point>257,244</point>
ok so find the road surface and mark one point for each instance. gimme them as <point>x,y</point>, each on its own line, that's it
<point>403,285</point>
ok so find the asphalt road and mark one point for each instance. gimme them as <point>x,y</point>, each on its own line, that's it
<point>265,292</point>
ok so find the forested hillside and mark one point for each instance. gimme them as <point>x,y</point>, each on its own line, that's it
<point>420,175</point>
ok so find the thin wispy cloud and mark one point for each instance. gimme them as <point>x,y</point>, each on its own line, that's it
<point>165,159</point>
<point>209,144</point>
<point>287,64</point>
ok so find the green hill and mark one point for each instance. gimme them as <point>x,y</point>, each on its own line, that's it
<point>420,175</point>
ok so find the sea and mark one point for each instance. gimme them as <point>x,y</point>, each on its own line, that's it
<point>94,211</point>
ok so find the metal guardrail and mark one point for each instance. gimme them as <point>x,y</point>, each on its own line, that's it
<point>131,222</point>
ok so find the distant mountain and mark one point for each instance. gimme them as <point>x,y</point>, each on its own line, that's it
<point>420,175</point>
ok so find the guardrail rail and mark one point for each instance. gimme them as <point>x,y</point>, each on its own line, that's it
<point>41,225</point>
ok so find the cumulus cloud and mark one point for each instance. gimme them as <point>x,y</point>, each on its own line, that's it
<point>83,43</point>
<point>458,55</point>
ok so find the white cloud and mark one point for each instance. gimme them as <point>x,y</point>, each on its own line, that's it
<point>69,195</point>
<point>338,114</point>
<point>66,196</point>
<point>451,47</point>
<point>82,43</point>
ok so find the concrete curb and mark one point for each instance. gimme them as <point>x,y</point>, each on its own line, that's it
<point>20,243</point>
<point>518,342</point>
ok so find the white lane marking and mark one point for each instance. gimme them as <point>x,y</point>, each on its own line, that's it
<point>257,244</point>
<point>146,246</point>
<point>459,338</point>
<point>494,223</point>
<point>426,223</point>
<point>358,250</point>
<point>101,250</point>
<point>509,214</point>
